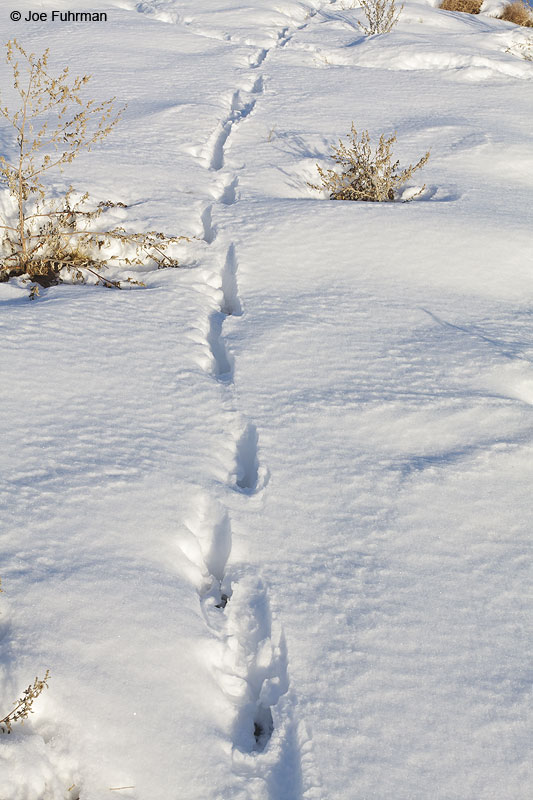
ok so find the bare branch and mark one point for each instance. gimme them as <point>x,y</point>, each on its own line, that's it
<point>54,123</point>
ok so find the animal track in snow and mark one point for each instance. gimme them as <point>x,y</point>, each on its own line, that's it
<point>250,662</point>
<point>216,143</point>
<point>258,86</point>
<point>228,196</point>
<point>231,304</point>
<point>284,36</point>
<point>161,10</point>
<point>248,659</point>
<point>257,59</point>
<point>247,463</point>
<point>271,748</point>
<point>254,665</point>
<point>252,669</point>
<point>222,362</point>
<point>214,150</point>
<point>209,232</point>
<point>206,541</point>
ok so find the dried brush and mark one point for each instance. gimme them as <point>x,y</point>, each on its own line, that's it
<point>367,174</point>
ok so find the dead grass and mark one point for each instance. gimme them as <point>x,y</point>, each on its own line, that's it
<point>465,6</point>
<point>518,12</point>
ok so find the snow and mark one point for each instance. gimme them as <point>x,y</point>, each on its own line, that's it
<point>267,520</point>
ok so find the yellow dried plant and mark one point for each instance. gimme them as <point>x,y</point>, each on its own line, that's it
<point>381,16</point>
<point>23,706</point>
<point>465,6</point>
<point>52,124</point>
<point>519,12</point>
<point>367,174</point>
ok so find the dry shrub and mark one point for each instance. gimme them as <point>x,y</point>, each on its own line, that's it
<point>466,6</point>
<point>381,16</point>
<point>367,174</point>
<point>518,12</point>
<point>52,125</point>
<point>23,706</point>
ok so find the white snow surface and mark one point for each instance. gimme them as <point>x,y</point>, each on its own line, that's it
<point>267,520</point>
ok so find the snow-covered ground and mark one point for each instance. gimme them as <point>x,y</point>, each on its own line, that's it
<point>267,520</point>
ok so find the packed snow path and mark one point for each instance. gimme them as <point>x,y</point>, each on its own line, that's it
<point>267,519</point>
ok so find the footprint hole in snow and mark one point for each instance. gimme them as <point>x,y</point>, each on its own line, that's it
<point>263,727</point>
<point>247,460</point>
<point>223,601</point>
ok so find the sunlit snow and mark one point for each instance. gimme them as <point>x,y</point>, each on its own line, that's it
<point>267,520</point>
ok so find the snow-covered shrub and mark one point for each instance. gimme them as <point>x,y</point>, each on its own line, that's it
<point>522,50</point>
<point>381,16</point>
<point>366,174</point>
<point>52,125</point>
<point>518,12</point>
<point>466,6</point>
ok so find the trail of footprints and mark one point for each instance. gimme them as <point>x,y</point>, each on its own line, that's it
<point>269,745</point>
<point>248,654</point>
<point>250,662</point>
<point>250,659</point>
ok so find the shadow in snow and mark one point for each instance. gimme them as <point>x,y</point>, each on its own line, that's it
<point>507,349</point>
<point>247,459</point>
<point>223,367</point>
